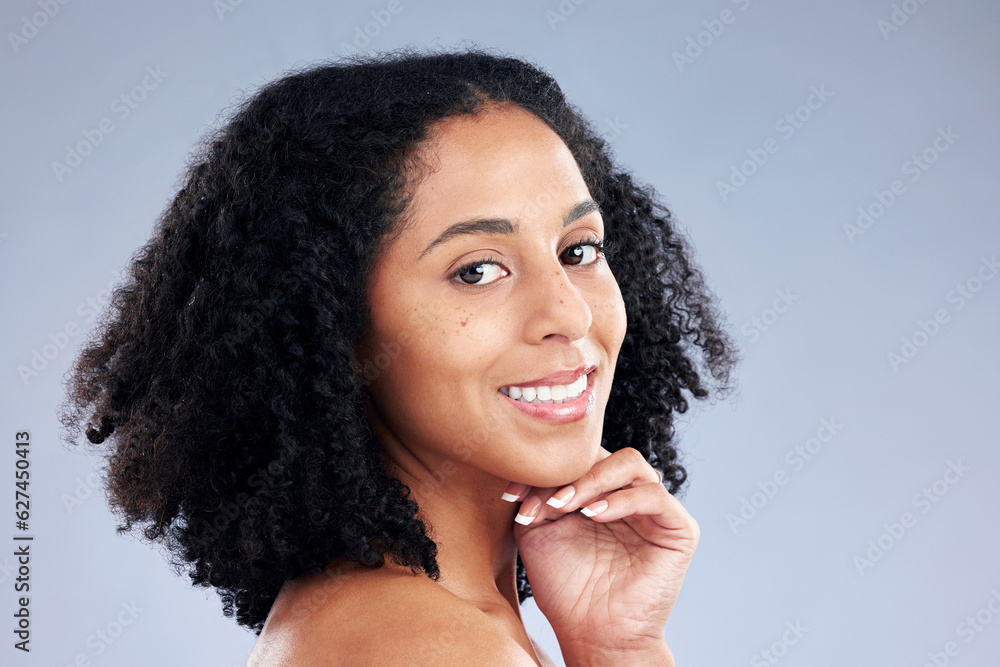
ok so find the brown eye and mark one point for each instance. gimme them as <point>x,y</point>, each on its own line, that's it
<point>480,273</point>
<point>581,254</point>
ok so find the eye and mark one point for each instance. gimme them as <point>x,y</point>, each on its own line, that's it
<point>588,251</point>
<point>480,273</point>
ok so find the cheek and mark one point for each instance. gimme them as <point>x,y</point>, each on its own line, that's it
<point>462,331</point>
<point>610,319</point>
<point>436,347</point>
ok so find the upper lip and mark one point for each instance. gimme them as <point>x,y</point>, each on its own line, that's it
<point>559,377</point>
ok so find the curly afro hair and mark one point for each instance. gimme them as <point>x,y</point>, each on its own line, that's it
<point>220,382</point>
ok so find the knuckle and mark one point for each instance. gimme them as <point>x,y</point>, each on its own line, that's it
<point>635,455</point>
<point>695,533</point>
<point>590,478</point>
<point>627,500</point>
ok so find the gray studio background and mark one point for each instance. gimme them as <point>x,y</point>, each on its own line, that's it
<point>846,497</point>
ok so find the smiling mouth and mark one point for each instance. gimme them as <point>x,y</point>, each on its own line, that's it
<point>548,394</point>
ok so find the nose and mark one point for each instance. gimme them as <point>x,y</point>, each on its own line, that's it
<point>555,306</point>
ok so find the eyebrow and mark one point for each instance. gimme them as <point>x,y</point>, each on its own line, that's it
<point>503,225</point>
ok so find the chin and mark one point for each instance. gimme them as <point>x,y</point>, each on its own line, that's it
<point>557,475</point>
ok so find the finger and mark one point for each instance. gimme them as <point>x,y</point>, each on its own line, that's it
<point>532,510</point>
<point>533,507</point>
<point>652,511</point>
<point>625,468</point>
<point>515,491</point>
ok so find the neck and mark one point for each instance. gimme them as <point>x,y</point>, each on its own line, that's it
<point>464,514</point>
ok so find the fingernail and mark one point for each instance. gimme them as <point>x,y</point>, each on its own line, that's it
<point>524,516</point>
<point>513,492</point>
<point>561,497</point>
<point>596,508</point>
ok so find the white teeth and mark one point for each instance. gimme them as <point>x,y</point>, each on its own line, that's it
<point>559,393</point>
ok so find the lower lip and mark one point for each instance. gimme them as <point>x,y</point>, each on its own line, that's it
<point>559,413</point>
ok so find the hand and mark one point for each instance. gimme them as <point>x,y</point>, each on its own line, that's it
<point>606,583</point>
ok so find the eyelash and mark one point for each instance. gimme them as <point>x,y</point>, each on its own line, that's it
<point>590,240</point>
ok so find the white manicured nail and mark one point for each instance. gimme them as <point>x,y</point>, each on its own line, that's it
<point>523,520</point>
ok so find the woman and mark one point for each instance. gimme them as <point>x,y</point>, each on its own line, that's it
<point>402,321</point>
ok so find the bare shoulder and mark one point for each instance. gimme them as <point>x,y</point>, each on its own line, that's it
<point>362,616</point>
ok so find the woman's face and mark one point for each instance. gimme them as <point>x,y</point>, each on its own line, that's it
<point>487,287</point>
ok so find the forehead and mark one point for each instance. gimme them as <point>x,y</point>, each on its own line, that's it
<point>502,162</point>
<point>494,128</point>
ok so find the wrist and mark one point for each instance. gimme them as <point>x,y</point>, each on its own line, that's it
<point>647,654</point>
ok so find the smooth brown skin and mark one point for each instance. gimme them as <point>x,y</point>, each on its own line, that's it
<point>439,416</point>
